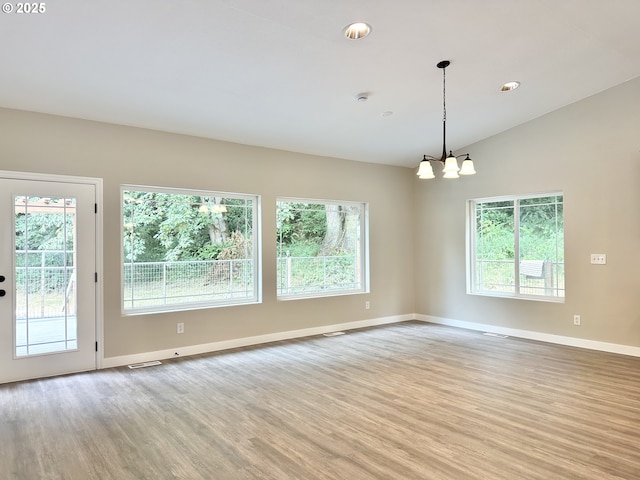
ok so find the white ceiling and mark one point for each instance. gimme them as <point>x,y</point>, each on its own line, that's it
<point>280,73</point>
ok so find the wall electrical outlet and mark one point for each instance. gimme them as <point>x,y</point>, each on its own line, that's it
<point>367,305</point>
<point>598,259</point>
<point>576,319</point>
<point>180,327</point>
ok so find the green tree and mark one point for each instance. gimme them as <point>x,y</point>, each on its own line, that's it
<point>495,231</point>
<point>40,230</point>
<point>301,228</point>
<point>175,227</point>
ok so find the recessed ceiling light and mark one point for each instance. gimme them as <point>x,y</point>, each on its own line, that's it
<point>357,30</point>
<point>507,87</point>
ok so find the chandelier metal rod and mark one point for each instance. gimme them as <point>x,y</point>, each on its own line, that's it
<point>444,64</point>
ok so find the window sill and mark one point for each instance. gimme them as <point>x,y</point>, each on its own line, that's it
<point>535,298</point>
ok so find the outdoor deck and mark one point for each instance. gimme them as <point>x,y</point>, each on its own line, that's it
<point>45,335</point>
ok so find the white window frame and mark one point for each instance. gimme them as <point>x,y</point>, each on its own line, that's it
<point>256,242</point>
<point>363,252</point>
<point>471,231</point>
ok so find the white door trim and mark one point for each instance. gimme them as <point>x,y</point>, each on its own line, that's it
<point>97,183</point>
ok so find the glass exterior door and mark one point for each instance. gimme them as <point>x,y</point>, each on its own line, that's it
<point>47,259</point>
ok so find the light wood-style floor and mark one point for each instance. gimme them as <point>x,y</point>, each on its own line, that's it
<point>406,401</point>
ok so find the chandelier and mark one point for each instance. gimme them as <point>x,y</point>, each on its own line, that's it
<point>450,161</point>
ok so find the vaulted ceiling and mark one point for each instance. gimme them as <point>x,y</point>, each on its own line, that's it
<point>281,74</point>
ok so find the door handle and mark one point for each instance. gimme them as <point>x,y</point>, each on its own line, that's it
<point>2,293</point>
<point>1,278</point>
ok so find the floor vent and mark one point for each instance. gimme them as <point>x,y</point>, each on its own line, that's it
<point>145,364</point>
<point>491,334</point>
<point>333,334</point>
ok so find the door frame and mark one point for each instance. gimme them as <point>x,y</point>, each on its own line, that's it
<point>97,183</point>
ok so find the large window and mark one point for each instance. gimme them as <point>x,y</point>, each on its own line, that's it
<point>517,247</point>
<point>188,249</point>
<point>322,248</point>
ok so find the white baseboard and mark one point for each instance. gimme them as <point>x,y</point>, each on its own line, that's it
<point>530,335</point>
<point>109,362</point>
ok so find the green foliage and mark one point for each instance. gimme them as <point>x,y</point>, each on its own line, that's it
<point>541,230</point>
<point>210,251</point>
<point>495,226</point>
<point>305,248</point>
<point>49,237</point>
<point>301,228</point>
<point>237,247</point>
<point>238,216</point>
<point>179,227</point>
<point>44,231</point>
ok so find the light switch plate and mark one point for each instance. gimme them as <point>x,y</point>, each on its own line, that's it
<point>598,259</point>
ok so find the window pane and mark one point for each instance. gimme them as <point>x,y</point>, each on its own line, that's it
<point>495,267</point>
<point>45,275</point>
<point>188,250</point>
<point>320,248</point>
<point>541,246</point>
